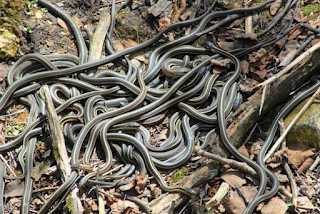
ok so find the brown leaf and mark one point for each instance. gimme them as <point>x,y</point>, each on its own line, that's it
<point>62,24</point>
<point>281,43</point>
<point>291,50</point>
<point>13,189</point>
<point>78,21</point>
<point>233,178</point>
<point>258,74</point>
<point>163,23</point>
<point>243,150</point>
<point>249,192</point>
<point>274,7</point>
<point>298,153</point>
<point>234,203</point>
<point>314,23</point>
<point>229,45</point>
<point>274,165</point>
<point>162,135</point>
<point>304,203</point>
<point>255,148</point>
<point>4,68</point>
<point>121,205</point>
<point>118,46</point>
<point>127,187</point>
<point>282,177</point>
<point>141,181</point>
<point>225,63</point>
<point>129,43</point>
<point>298,15</point>
<point>256,56</point>
<point>275,206</point>
<point>244,65</point>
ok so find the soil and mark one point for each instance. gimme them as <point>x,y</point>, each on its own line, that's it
<point>44,33</point>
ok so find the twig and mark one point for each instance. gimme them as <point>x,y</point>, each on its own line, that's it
<point>102,209</point>
<point>298,60</point>
<point>239,165</point>
<point>7,165</point>
<point>263,96</point>
<point>293,122</point>
<point>286,166</point>
<point>219,196</point>
<point>97,39</point>
<point>315,163</point>
<point>58,144</point>
<point>14,113</point>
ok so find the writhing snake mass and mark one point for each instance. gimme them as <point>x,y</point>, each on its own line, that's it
<point>106,109</point>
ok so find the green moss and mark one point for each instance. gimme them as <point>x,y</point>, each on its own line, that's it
<point>179,174</point>
<point>311,10</point>
<point>11,8</point>
<point>69,206</point>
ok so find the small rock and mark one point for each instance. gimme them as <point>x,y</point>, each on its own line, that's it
<point>307,129</point>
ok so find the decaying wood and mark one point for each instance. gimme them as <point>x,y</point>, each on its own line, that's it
<point>197,179</point>
<point>248,112</point>
<point>243,121</point>
<point>60,154</point>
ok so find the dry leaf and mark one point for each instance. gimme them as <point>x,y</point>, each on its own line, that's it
<point>162,135</point>
<point>78,21</point>
<point>281,43</point>
<point>274,7</point>
<point>255,148</point>
<point>225,63</point>
<point>298,15</point>
<point>38,14</point>
<point>129,43</point>
<point>4,68</point>
<point>314,42</point>
<point>118,46</point>
<point>298,153</point>
<point>135,62</point>
<point>256,56</point>
<point>164,23</point>
<point>249,192</point>
<point>141,181</point>
<point>234,204</point>
<point>233,178</point>
<point>305,203</point>
<point>291,50</point>
<point>314,23</point>
<point>275,206</point>
<point>258,74</point>
<point>13,189</point>
<point>121,205</point>
<point>62,24</point>
<point>229,45</point>
<point>274,165</point>
<point>127,187</point>
<point>244,65</point>
<point>282,177</point>
<point>243,150</point>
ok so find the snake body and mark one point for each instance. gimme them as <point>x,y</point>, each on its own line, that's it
<point>108,108</point>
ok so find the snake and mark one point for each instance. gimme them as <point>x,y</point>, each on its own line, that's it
<point>151,99</point>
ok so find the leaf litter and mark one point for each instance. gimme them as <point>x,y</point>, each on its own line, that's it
<point>255,68</point>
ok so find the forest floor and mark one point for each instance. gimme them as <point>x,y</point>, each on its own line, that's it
<point>39,31</point>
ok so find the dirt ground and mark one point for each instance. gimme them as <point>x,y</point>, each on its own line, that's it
<point>39,31</point>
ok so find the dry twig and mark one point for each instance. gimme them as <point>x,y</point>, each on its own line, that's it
<point>58,143</point>
<point>293,122</point>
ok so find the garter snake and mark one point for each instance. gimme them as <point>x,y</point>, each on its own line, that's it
<point>142,113</point>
